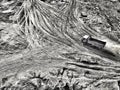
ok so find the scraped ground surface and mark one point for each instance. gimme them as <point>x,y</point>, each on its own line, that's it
<point>50,63</point>
<point>55,65</point>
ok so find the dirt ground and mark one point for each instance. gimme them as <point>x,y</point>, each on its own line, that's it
<point>57,66</point>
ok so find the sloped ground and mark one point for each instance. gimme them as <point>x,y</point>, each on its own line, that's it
<point>55,66</point>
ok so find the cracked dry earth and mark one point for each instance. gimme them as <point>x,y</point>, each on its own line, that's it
<point>59,67</point>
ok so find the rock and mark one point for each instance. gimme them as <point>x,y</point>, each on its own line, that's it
<point>83,14</point>
<point>36,81</point>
